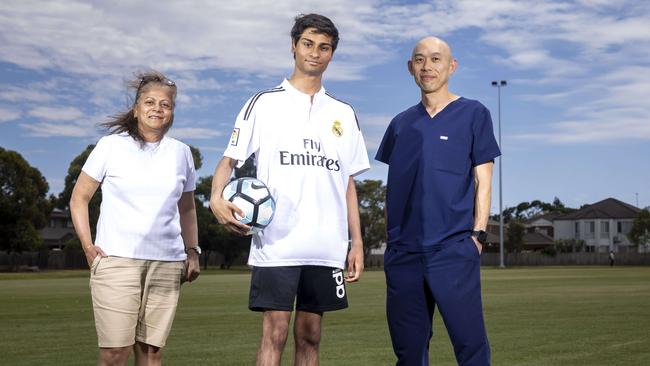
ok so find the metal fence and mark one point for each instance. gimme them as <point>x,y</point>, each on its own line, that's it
<point>48,259</point>
<point>61,259</point>
<point>539,259</point>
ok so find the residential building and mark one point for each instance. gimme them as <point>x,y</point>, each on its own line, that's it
<point>493,236</point>
<point>542,223</point>
<point>539,231</point>
<point>536,241</point>
<point>603,225</point>
<point>58,231</point>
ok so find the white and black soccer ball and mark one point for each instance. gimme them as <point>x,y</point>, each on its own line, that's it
<point>254,198</point>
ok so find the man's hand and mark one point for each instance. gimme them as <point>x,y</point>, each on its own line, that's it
<point>479,246</point>
<point>225,211</point>
<point>355,261</point>
<point>222,209</point>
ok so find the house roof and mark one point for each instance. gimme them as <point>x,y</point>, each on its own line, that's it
<point>549,216</point>
<point>537,238</point>
<point>609,208</point>
<point>492,238</point>
<point>58,213</point>
<point>56,233</point>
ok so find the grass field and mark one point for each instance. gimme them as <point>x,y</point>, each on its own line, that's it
<point>535,316</point>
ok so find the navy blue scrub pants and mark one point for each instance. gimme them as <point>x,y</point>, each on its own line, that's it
<point>448,277</point>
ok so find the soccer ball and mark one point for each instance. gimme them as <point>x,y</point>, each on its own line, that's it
<point>253,197</point>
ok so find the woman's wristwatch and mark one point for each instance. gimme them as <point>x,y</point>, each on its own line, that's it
<point>196,248</point>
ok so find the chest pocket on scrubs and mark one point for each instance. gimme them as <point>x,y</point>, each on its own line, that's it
<point>449,155</point>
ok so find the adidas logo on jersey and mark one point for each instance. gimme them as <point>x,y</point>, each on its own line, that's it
<point>340,287</point>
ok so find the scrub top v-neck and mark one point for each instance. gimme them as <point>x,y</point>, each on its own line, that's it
<point>430,199</point>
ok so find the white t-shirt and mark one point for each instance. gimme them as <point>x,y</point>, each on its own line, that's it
<point>305,153</point>
<point>140,191</point>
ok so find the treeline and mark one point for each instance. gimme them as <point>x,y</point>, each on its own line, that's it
<point>528,210</point>
<point>25,208</point>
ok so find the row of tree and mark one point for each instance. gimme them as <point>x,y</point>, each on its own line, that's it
<point>25,208</point>
<point>527,210</point>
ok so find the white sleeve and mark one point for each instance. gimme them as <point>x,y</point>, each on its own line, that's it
<point>357,153</point>
<point>97,162</point>
<point>244,140</point>
<point>190,175</point>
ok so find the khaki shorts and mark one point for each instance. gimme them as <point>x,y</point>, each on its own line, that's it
<point>134,300</point>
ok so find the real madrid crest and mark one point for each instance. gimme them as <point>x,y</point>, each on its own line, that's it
<point>337,130</point>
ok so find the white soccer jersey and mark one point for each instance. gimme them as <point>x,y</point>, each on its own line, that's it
<point>305,152</point>
<point>141,187</point>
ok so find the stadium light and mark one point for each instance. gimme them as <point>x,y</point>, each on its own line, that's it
<point>498,85</point>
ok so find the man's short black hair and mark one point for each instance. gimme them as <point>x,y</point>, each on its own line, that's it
<point>321,23</point>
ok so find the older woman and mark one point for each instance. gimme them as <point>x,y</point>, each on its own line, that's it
<point>146,242</point>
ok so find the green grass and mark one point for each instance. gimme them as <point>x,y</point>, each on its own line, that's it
<point>535,316</point>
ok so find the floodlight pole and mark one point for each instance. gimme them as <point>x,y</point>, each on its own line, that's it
<point>498,85</point>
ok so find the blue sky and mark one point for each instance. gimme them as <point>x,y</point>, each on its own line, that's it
<point>575,113</point>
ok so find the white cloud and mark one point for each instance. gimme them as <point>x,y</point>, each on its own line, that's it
<point>610,109</point>
<point>7,114</point>
<point>108,38</point>
<point>596,122</point>
<point>189,81</point>
<point>183,133</point>
<point>592,63</point>
<point>48,129</point>
<point>12,93</point>
<point>195,100</point>
<point>595,50</point>
<point>56,113</point>
<point>218,149</point>
<point>64,122</point>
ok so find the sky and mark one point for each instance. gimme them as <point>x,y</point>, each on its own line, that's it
<point>575,114</point>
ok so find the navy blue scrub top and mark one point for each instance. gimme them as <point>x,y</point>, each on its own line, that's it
<point>430,188</point>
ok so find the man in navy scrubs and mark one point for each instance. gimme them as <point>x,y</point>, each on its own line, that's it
<point>440,154</point>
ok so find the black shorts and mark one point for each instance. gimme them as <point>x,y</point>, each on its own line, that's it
<point>314,289</point>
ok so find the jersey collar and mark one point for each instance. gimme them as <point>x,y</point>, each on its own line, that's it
<point>300,95</point>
